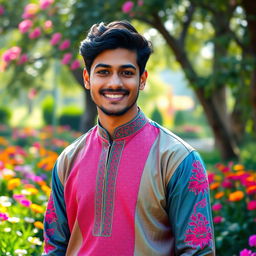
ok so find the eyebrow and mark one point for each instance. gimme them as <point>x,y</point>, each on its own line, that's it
<point>102,65</point>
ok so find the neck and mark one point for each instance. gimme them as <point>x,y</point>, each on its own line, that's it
<point>110,123</point>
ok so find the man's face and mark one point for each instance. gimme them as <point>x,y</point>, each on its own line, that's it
<point>115,81</point>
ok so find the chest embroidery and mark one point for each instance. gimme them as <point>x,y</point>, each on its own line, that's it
<point>105,187</point>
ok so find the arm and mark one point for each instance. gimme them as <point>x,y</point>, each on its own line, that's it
<point>56,231</point>
<point>189,208</point>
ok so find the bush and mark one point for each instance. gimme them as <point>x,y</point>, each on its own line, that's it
<point>71,116</point>
<point>48,109</point>
<point>5,115</point>
<point>157,116</point>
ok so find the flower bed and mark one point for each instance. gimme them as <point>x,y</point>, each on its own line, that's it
<point>26,160</point>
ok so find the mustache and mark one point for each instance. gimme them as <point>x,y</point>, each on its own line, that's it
<point>123,91</point>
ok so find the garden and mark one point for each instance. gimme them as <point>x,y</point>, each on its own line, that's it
<point>201,86</point>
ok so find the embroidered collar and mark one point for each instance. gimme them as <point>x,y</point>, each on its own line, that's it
<point>125,130</point>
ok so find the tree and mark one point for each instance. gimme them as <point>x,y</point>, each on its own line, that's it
<point>177,22</point>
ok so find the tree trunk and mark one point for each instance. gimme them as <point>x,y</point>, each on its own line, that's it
<point>223,138</point>
<point>90,111</point>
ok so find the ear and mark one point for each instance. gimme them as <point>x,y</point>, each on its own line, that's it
<point>143,79</point>
<point>86,79</point>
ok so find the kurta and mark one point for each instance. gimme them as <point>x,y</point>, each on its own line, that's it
<point>143,192</point>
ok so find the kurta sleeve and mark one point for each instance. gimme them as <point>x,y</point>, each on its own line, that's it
<point>189,209</point>
<point>56,231</point>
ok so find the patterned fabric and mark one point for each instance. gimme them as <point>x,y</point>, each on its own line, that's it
<point>144,193</point>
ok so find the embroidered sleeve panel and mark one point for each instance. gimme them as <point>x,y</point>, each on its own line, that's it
<point>68,156</point>
<point>189,208</point>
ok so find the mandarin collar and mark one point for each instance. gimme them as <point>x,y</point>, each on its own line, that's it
<point>124,130</point>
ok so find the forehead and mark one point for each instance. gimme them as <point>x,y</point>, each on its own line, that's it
<point>116,57</point>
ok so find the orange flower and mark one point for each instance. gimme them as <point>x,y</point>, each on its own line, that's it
<point>39,224</point>
<point>219,195</point>
<point>13,183</point>
<point>214,185</point>
<point>236,196</point>
<point>3,141</point>
<point>37,208</point>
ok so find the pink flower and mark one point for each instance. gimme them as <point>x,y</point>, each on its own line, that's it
<point>66,58</point>
<point>29,11</point>
<point>35,33</point>
<point>48,24</point>
<point>56,38</point>
<point>64,45</point>
<point>18,197</point>
<point>3,216</point>
<point>23,59</point>
<point>211,177</point>
<point>25,202</point>
<point>11,54</point>
<point>217,207</point>
<point>140,2</point>
<point>252,241</point>
<point>217,219</point>
<point>127,6</point>
<point>251,205</point>
<point>25,25</point>
<point>1,10</point>
<point>44,4</point>
<point>246,252</point>
<point>75,64</point>
<point>32,93</point>
<point>227,183</point>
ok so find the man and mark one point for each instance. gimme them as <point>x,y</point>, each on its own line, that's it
<point>128,186</point>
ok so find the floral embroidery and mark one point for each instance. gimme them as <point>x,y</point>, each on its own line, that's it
<point>198,181</point>
<point>48,247</point>
<point>199,233</point>
<point>50,215</point>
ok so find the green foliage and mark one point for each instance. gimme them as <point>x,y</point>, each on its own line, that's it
<point>157,116</point>
<point>48,109</point>
<point>248,156</point>
<point>71,116</point>
<point>5,115</point>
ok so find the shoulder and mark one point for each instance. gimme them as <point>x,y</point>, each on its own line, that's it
<point>68,156</point>
<point>172,149</point>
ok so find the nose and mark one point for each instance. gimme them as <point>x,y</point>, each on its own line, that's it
<point>115,80</point>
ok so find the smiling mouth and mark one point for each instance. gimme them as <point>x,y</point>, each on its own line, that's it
<point>114,94</point>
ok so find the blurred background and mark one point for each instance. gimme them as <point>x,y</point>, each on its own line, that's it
<point>201,86</point>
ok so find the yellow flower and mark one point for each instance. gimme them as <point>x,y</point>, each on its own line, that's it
<point>33,191</point>
<point>236,196</point>
<point>13,183</point>
<point>46,189</point>
<point>37,208</point>
<point>39,224</point>
<point>238,167</point>
<point>7,174</point>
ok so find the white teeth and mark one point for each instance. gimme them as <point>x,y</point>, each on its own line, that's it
<point>113,96</point>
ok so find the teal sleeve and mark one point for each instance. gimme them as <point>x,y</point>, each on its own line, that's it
<point>189,209</point>
<point>56,231</point>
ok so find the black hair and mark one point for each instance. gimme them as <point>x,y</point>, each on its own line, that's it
<point>117,34</point>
